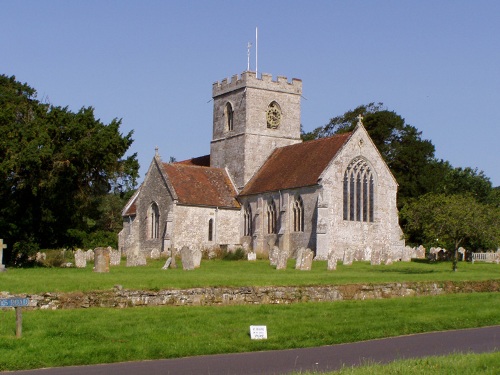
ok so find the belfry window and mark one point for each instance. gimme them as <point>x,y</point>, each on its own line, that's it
<point>229,114</point>
<point>153,221</point>
<point>358,192</point>
<point>247,221</point>
<point>271,217</point>
<point>298,215</point>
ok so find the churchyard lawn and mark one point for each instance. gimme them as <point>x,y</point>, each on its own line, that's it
<point>213,273</point>
<point>101,335</point>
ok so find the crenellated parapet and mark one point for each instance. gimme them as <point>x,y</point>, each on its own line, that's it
<point>249,79</point>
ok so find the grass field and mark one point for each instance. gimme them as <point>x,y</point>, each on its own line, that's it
<point>235,274</point>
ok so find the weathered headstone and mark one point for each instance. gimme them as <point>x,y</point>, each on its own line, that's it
<point>305,263</point>
<point>406,254</point>
<point>114,257</point>
<point>282,259</point>
<point>376,258</point>
<point>388,261</point>
<point>90,255</point>
<point>187,258</point>
<point>2,246</point>
<point>273,255</point>
<point>101,259</point>
<point>332,261</point>
<point>252,256</point>
<point>197,255</point>
<point>299,258</point>
<point>167,263</point>
<point>136,258</point>
<point>155,254</point>
<point>80,259</point>
<point>420,252</point>
<point>347,258</point>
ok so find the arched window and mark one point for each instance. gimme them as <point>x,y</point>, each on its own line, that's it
<point>247,219</point>
<point>229,114</point>
<point>211,229</point>
<point>358,187</point>
<point>271,217</point>
<point>153,221</point>
<point>298,214</point>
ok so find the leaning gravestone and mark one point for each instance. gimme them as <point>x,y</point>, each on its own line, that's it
<point>167,264</point>
<point>80,259</point>
<point>101,260</point>
<point>332,261</point>
<point>187,258</point>
<point>305,264</point>
<point>282,259</point>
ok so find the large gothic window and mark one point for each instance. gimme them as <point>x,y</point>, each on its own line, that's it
<point>358,191</point>
<point>153,221</point>
<point>229,114</point>
<point>298,214</point>
<point>271,217</point>
<point>247,221</point>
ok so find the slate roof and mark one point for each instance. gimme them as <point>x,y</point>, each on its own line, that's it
<point>296,165</point>
<point>201,186</point>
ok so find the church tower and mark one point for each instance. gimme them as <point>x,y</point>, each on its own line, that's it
<point>251,118</point>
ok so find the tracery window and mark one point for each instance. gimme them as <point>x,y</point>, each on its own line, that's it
<point>273,115</point>
<point>271,217</point>
<point>153,221</point>
<point>247,221</point>
<point>229,114</point>
<point>211,229</point>
<point>298,214</point>
<point>358,192</point>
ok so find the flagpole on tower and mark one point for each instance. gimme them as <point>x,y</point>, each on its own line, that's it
<point>256,51</point>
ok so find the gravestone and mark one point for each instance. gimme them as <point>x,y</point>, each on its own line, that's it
<point>332,261</point>
<point>376,258</point>
<point>347,258</point>
<point>101,259</point>
<point>197,254</point>
<point>136,258</point>
<point>155,254</point>
<point>167,263</point>
<point>273,255</point>
<point>388,260</point>
<point>420,252</point>
<point>80,259</point>
<point>2,246</point>
<point>187,258</point>
<point>252,256</point>
<point>90,255</point>
<point>282,259</point>
<point>304,259</point>
<point>114,258</point>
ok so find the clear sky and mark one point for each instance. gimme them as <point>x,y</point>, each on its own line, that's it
<point>153,63</point>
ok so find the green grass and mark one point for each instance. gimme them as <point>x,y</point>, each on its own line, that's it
<point>99,335</point>
<point>470,364</point>
<point>235,274</point>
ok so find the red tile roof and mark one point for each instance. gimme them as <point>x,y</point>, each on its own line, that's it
<point>201,186</point>
<point>202,161</point>
<point>296,165</point>
<point>130,208</point>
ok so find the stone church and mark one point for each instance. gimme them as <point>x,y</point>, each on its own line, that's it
<point>261,186</point>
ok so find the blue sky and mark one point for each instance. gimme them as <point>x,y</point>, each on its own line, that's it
<point>153,63</point>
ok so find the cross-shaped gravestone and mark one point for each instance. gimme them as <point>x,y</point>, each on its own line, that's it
<point>2,246</point>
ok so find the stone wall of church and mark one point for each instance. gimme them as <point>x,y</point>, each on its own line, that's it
<point>192,224</point>
<point>358,237</point>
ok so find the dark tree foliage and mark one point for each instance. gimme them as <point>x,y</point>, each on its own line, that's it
<point>57,170</point>
<point>409,157</point>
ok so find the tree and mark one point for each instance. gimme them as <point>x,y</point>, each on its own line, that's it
<point>56,168</point>
<point>409,157</point>
<point>451,221</point>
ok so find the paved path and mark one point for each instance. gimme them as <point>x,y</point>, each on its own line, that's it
<point>477,340</point>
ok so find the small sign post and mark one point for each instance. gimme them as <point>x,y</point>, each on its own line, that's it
<point>258,332</point>
<point>17,303</point>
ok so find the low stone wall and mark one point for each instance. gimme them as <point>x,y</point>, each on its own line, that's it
<point>122,298</point>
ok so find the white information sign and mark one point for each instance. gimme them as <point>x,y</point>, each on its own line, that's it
<point>258,332</point>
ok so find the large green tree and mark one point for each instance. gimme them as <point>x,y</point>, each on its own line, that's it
<point>56,168</point>
<point>451,221</point>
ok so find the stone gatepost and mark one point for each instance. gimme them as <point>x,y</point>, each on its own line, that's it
<point>101,259</point>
